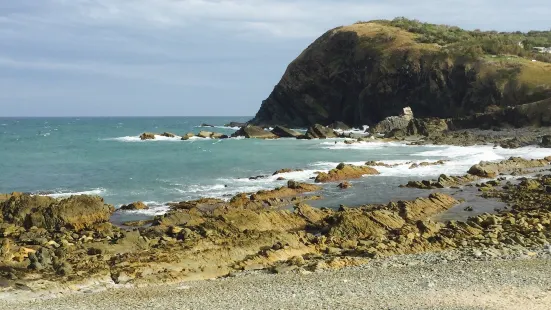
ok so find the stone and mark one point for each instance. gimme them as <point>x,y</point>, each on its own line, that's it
<point>284,132</point>
<point>546,141</point>
<point>344,172</point>
<point>344,185</point>
<point>188,135</point>
<point>168,135</point>
<point>138,205</point>
<point>147,136</point>
<point>286,170</point>
<point>338,125</point>
<point>251,131</point>
<point>204,134</point>
<point>320,132</point>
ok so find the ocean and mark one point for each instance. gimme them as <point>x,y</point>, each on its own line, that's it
<point>104,156</point>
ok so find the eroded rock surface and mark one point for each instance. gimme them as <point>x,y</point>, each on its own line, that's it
<point>345,172</point>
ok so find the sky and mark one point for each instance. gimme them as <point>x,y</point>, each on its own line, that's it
<point>190,57</point>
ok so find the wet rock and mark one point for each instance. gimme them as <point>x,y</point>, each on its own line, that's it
<point>338,125</point>
<point>492,169</point>
<point>393,123</point>
<point>138,205</point>
<point>235,124</point>
<point>344,185</point>
<point>188,135</point>
<point>344,172</point>
<point>426,164</point>
<point>284,132</point>
<point>251,131</point>
<point>320,132</point>
<point>286,170</point>
<point>168,135</point>
<point>147,136</point>
<point>204,134</point>
<point>546,141</point>
<point>206,125</point>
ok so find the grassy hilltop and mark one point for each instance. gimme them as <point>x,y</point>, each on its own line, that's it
<point>364,72</point>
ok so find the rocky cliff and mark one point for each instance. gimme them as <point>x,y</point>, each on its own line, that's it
<point>362,73</point>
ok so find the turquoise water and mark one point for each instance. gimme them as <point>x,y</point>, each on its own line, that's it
<point>104,156</point>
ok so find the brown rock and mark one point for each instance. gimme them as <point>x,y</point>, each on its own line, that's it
<point>138,205</point>
<point>147,136</point>
<point>344,185</point>
<point>320,132</point>
<point>251,131</point>
<point>188,135</point>
<point>204,134</point>
<point>344,172</point>
<point>168,135</point>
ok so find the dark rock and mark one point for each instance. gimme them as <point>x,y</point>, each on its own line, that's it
<point>147,136</point>
<point>546,141</point>
<point>284,132</point>
<point>168,135</point>
<point>236,124</point>
<point>320,132</point>
<point>206,125</point>
<point>339,126</point>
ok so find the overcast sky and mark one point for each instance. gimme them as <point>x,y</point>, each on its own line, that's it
<point>189,57</point>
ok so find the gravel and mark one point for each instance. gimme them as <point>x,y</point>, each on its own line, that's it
<point>448,280</point>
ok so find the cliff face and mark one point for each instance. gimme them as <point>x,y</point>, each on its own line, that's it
<point>362,73</point>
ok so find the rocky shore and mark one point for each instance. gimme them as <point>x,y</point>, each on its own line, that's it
<point>50,242</point>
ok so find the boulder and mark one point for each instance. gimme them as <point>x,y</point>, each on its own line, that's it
<point>320,132</point>
<point>344,172</point>
<point>392,123</point>
<point>138,205</point>
<point>217,135</point>
<point>344,185</point>
<point>168,135</point>
<point>188,135</point>
<point>251,131</point>
<point>75,212</point>
<point>204,134</point>
<point>546,141</point>
<point>338,125</point>
<point>284,132</point>
<point>147,136</point>
<point>206,125</point>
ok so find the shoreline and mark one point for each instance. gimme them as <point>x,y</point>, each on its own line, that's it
<point>444,280</point>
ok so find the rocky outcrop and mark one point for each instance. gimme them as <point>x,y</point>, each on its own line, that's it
<point>205,134</point>
<point>76,212</point>
<point>360,74</point>
<point>235,124</point>
<point>168,135</point>
<point>392,123</point>
<point>345,172</point>
<point>443,181</point>
<point>284,132</point>
<point>286,170</point>
<point>426,164</point>
<point>251,131</point>
<point>147,136</point>
<point>320,132</point>
<point>188,135</point>
<point>492,169</point>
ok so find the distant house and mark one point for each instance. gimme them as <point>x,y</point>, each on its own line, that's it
<point>540,49</point>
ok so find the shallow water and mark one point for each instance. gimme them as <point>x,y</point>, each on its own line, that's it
<point>104,156</point>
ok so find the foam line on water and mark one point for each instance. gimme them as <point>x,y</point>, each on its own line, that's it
<point>97,191</point>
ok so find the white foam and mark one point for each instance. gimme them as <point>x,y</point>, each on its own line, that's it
<point>340,145</point>
<point>97,191</point>
<point>356,131</point>
<point>154,208</point>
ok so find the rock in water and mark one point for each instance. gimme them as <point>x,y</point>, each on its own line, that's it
<point>147,136</point>
<point>320,132</point>
<point>546,141</point>
<point>235,124</point>
<point>168,135</point>
<point>251,131</point>
<point>138,205</point>
<point>204,134</point>
<point>284,132</point>
<point>344,172</point>
<point>393,123</point>
<point>188,135</point>
<point>206,125</point>
<point>339,126</point>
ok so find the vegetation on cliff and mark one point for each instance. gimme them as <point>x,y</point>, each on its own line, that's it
<point>362,73</point>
